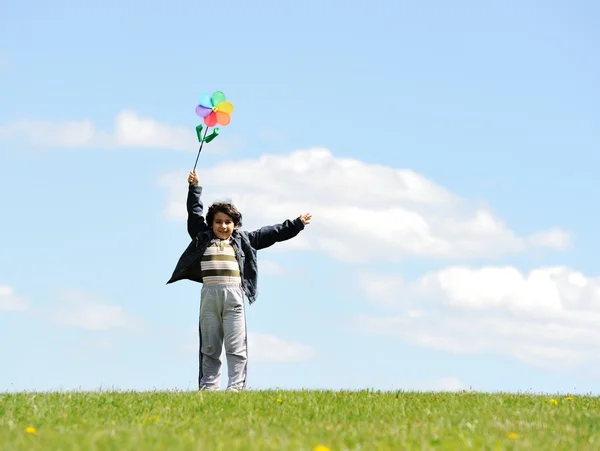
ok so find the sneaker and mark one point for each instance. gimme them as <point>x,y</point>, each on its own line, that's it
<point>234,389</point>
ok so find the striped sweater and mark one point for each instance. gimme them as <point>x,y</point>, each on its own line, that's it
<point>219,264</point>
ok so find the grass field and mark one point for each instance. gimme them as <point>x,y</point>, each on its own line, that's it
<point>298,420</point>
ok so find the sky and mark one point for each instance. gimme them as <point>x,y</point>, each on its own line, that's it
<point>447,152</point>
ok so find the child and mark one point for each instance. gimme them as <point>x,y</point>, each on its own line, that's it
<point>223,259</point>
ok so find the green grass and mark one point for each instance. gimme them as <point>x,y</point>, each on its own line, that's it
<point>298,420</point>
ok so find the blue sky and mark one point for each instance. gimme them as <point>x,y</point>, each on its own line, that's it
<point>447,152</point>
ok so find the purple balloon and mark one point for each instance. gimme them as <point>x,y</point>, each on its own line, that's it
<point>202,111</point>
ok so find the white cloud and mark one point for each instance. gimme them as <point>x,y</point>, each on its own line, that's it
<point>401,212</point>
<point>553,239</point>
<point>265,348</point>
<point>130,131</point>
<point>549,317</point>
<point>10,301</point>
<point>78,310</point>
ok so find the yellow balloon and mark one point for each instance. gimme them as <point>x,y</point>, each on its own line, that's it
<point>225,107</point>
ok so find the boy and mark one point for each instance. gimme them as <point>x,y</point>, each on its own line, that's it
<point>223,259</point>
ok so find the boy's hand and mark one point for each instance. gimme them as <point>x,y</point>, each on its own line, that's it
<point>305,218</point>
<point>193,178</point>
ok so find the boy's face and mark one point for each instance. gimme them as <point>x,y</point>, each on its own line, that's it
<point>222,225</point>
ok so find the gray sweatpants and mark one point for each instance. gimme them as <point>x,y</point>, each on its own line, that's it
<point>222,322</point>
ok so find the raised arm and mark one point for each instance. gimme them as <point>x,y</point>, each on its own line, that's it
<point>195,208</point>
<point>268,235</point>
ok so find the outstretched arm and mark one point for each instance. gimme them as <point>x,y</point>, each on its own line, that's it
<point>195,208</point>
<point>268,235</point>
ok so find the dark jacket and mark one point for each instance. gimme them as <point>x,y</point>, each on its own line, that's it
<point>245,244</point>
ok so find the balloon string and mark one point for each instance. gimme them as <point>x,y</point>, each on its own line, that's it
<point>200,149</point>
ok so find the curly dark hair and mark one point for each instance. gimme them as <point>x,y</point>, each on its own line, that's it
<point>224,207</point>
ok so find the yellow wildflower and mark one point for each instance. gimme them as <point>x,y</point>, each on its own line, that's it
<point>279,400</point>
<point>30,430</point>
<point>321,448</point>
<point>554,401</point>
<point>569,398</point>
<point>513,436</point>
